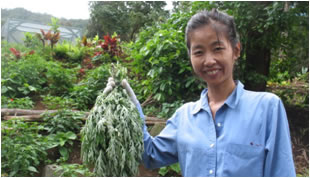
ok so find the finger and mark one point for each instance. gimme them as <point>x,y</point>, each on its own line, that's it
<point>110,79</point>
<point>111,83</point>
<point>107,90</point>
<point>130,92</point>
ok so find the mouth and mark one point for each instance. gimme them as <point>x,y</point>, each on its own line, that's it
<point>212,72</point>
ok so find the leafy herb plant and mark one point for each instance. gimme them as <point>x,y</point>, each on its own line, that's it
<point>112,139</point>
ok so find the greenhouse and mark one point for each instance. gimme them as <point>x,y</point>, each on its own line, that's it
<point>14,29</point>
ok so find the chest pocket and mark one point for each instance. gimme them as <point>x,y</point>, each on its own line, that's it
<point>243,160</point>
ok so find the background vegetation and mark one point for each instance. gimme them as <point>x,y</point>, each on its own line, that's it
<point>150,42</point>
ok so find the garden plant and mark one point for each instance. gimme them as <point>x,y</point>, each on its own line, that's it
<point>96,134</point>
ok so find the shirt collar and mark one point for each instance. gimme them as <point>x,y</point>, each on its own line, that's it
<point>231,101</point>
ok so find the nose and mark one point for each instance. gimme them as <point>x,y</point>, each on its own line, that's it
<point>209,60</point>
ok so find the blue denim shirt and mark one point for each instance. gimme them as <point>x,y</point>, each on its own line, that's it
<point>249,137</point>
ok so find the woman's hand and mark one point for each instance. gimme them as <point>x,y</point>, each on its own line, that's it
<point>130,92</point>
<point>109,86</point>
<point>132,96</point>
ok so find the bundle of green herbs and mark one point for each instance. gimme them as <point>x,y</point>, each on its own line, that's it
<point>112,138</point>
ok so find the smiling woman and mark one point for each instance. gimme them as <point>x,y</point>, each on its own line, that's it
<point>57,8</point>
<point>229,131</point>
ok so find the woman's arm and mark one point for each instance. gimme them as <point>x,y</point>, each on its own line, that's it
<point>160,150</point>
<point>279,158</point>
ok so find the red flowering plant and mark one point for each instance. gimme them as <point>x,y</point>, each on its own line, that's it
<point>81,73</point>
<point>86,65</point>
<point>108,49</point>
<point>18,54</point>
<point>48,36</point>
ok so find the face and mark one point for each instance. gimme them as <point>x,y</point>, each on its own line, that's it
<point>212,55</point>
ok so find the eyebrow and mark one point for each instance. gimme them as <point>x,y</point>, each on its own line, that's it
<point>218,42</point>
<point>199,46</point>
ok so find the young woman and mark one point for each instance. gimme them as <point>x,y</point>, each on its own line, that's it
<point>229,131</point>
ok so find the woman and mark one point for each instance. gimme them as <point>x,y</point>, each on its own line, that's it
<point>229,131</point>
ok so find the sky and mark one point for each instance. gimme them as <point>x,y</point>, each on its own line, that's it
<point>69,9</point>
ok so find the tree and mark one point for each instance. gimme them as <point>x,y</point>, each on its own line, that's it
<point>124,18</point>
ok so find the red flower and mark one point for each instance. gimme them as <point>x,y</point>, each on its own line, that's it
<point>31,52</point>
<point>105,46</point>
<point>97,53</point>
<point>15,52</point>
<point>90,66</point>
<point>82,70</point>
<point>11,99</point>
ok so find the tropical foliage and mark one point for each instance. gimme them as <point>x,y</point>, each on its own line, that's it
<point>65,76</point>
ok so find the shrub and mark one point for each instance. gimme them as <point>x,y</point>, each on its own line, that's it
<point>86,91</point>
<point>57,102</point>
<point>22,148</point>
<point>63,121</point>
<point>73,170</point>
<point>173,170</point>
<point>69,53</point>
<point>159,58</point>
<point>59,80</point>
<point>34,75</point>
<point>21,103</point>
<point>23,77</point>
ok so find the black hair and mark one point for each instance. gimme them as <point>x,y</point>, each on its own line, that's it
<point>212,17</point>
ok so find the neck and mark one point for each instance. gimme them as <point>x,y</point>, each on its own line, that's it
<point>219,93</point>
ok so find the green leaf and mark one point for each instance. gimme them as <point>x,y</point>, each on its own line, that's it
<point>175,167</point>
<point>62,142</point>
<point>71,135</point>
<point>32,169</point>
<point>31,88</point>
<point>163,171</point>
<point>64,152</point>
<point>4,89</point>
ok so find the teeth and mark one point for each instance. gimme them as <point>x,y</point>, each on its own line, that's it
<point>212,72</point>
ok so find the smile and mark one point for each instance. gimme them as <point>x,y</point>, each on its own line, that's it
<point>213,72</point>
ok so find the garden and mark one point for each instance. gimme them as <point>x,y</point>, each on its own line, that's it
<point>49,86</point>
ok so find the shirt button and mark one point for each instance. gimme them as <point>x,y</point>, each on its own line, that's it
<point>219,124</point>
<point>212,145</point>
<point>211,171</point>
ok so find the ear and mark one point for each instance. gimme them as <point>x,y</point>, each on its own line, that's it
<point>237,51</point>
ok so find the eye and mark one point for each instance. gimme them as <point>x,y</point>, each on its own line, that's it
<point>198,53</point>
<point>218,49</point>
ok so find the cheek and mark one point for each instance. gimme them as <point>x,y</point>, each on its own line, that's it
<point>195,65</point>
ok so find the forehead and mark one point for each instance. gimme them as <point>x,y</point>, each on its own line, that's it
<point>212,34</point>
